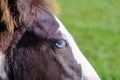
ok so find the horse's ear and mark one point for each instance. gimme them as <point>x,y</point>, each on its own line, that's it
<point>27,11</point>
<point>54,7</point>
<point>6,17</point>
<point>50,5</point>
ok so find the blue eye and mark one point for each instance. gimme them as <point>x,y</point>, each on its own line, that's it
<point>60,43</point>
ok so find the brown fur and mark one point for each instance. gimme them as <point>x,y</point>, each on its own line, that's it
<point>27,11</point>
<point>33,56</point>
<point>29,46</point>
<point>6,16</point>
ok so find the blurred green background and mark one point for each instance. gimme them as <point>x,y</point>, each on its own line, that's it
<point>95,26</point>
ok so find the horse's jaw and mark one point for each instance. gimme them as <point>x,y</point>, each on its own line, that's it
<point>88,73</point>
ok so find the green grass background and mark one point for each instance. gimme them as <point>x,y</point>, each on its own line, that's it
<point>95,26</point>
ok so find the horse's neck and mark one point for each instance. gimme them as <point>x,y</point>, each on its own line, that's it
<point>8,39</point>
<point>5,38</point>
<point>17,35</point>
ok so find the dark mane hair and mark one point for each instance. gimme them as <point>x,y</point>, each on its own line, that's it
<point>16,12</point>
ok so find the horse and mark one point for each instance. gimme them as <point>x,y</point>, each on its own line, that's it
<point>35,45</point>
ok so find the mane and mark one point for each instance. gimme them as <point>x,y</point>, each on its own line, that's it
<point>18,12</point>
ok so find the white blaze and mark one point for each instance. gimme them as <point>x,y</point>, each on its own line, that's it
<point>87,70</point>
<point>2,67</point>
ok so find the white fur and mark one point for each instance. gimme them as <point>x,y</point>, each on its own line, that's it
<point>2,67</point>
<point>87,70</point>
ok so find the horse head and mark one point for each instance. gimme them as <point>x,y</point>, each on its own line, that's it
<point>34,45</point>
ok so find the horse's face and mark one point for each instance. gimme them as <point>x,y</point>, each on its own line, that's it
<point>43,53</point>
<point>46,51</point>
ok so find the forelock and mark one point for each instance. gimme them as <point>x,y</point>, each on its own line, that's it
<point>17,12</point>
